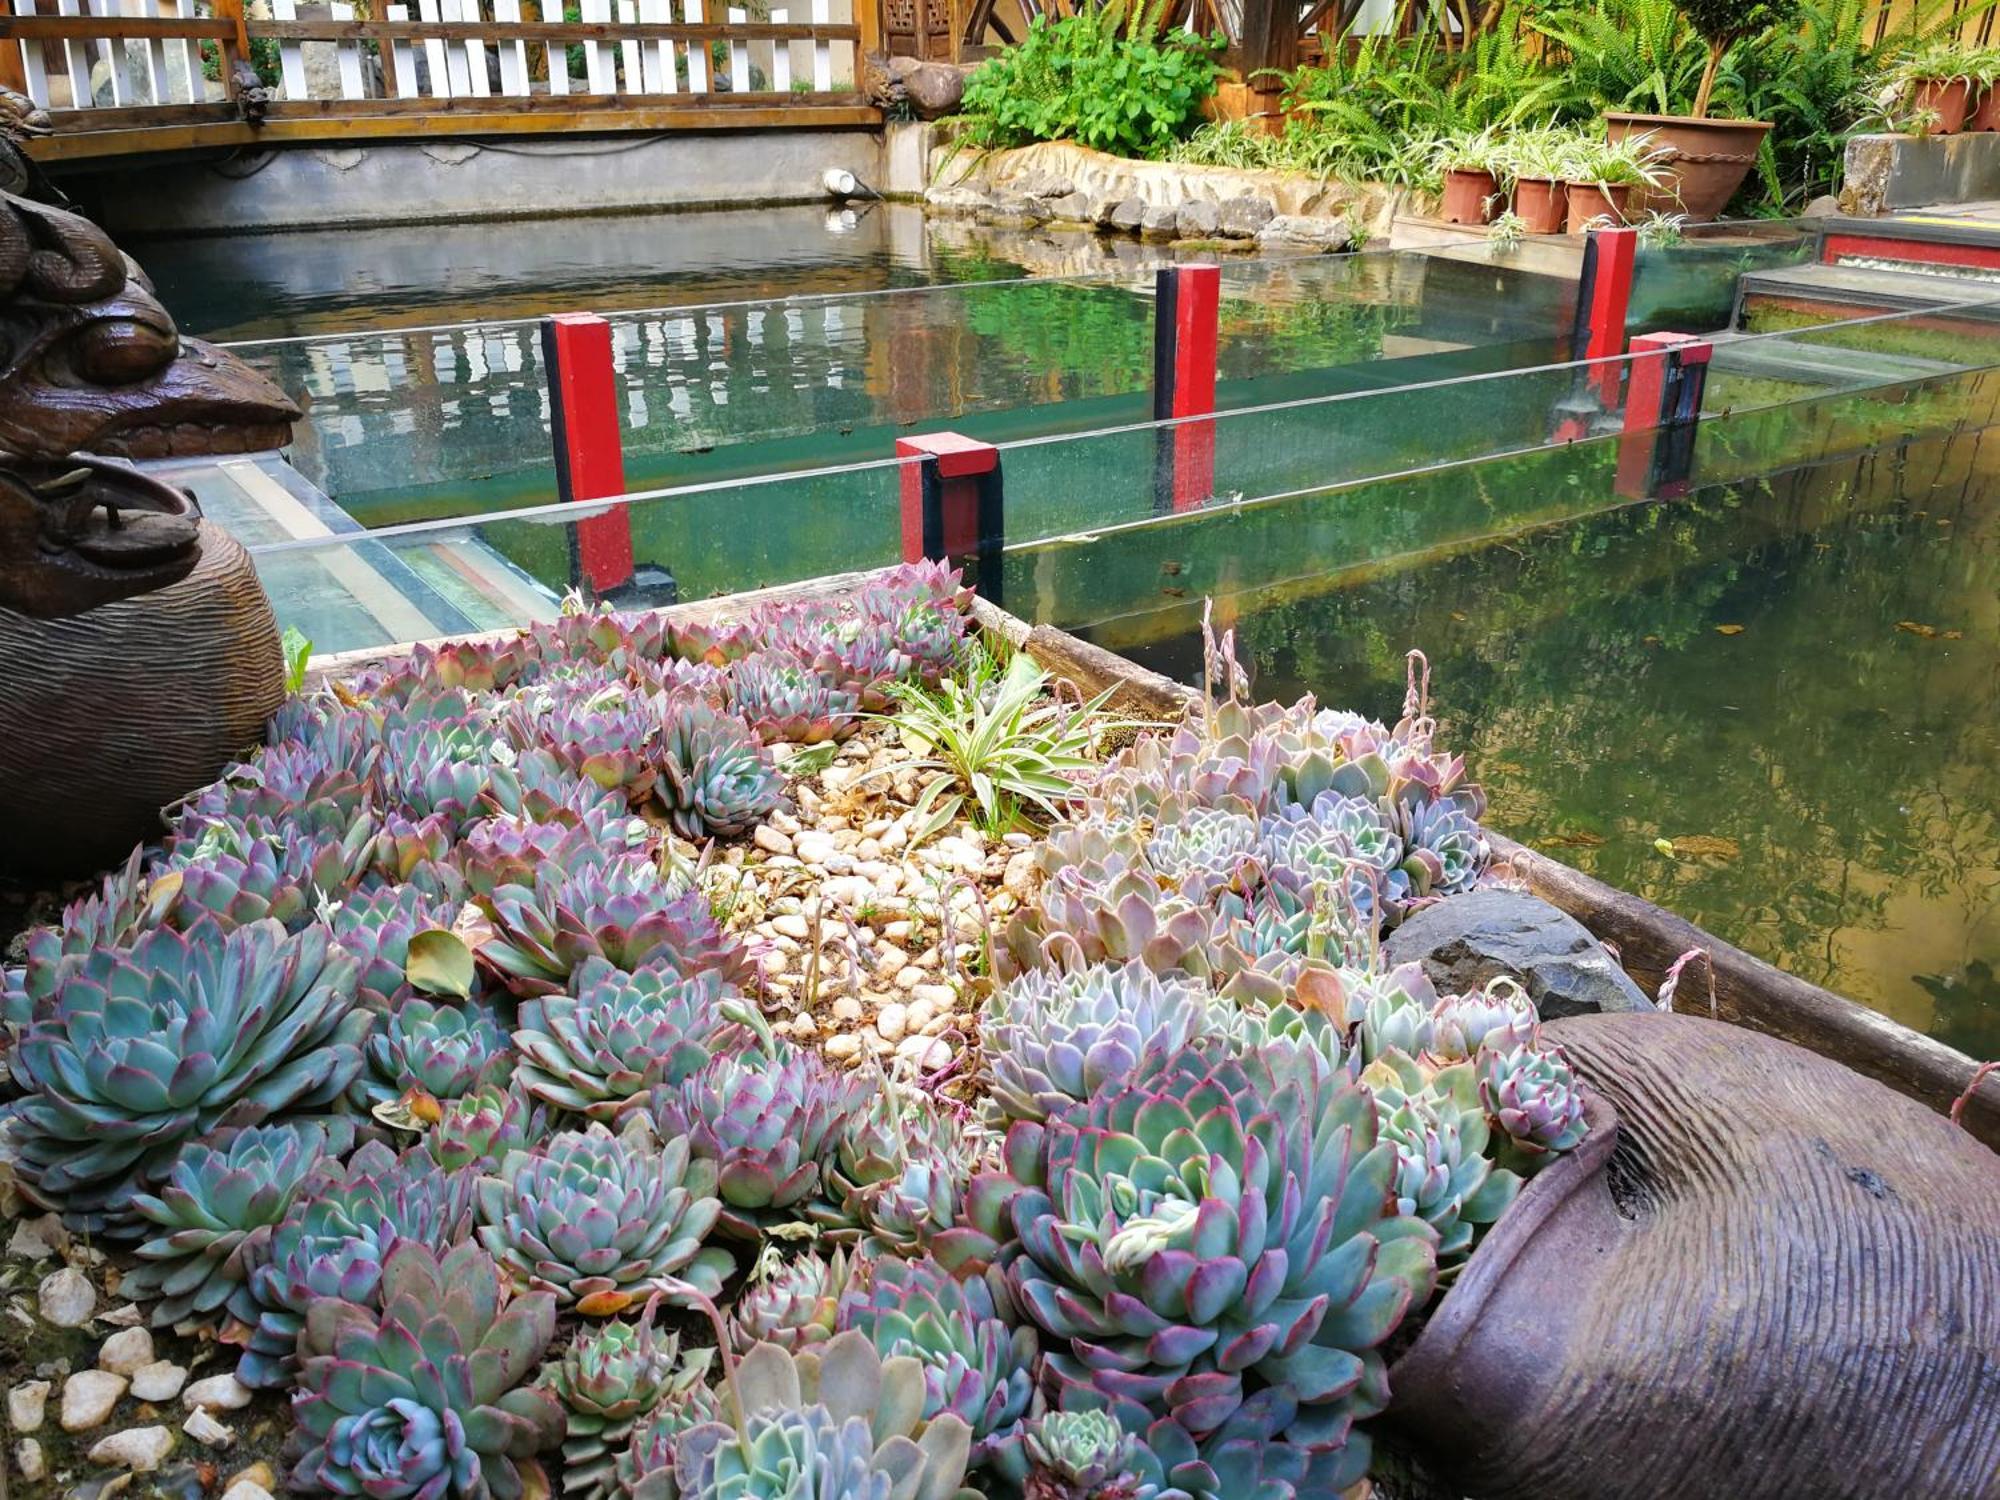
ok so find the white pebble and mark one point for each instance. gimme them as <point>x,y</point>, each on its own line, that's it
<point>67,1297</point>
<point>814,846</point>
<point>125,1351</point>
<point>892,1022</point>
<point>203,1428</point>
<point>28,1459</point>
<point>141,1449</point>
<point>783,822</point>
<point>910,978</point>
<point>217,1393</point>
<point>37,1239</point>
<point>890,961</point>
<point>87,1399</point>
<point>770,840</point>
<point>847,1010</point>
<point>246,1489</point>
<point>160,1381</point>
<point>26,1405</point>
<point>843,1047</point>
<point>938,994</point>
<point>927,1053</point>
<point>793,926</point>
<point>921,1011</point>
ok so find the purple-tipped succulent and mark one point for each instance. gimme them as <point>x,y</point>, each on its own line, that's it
<point>783,699</point>
<point>144,1049</point>
<point>443,767</point>
<point>898,1171</point>
<point>1209,849</point>
<point>715,776</point>
<point>478,1130</point>
<point>209,1224</point>
<point>599,1052</point>
<point>610,1378</point>
<point>600,1223</point>
<point>599,725</point>
<point>1500,1015</point>
<point>1533,1097</point>
<point>429,1396</point>
<point>375,927</point>
<point>793,1303</point>
<point>1446,849</point>
<point>644,1468</point>
<point>443,1049</point>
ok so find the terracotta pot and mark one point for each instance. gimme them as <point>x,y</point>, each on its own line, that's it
<point>1469,197</point>
<point>1761,1274</point>
<point>130,703</point>
<point>1949,99</point>
<point>1542,203</point>
<point>1986,116</point>
<point>1597,200</point>
<point>1704,161</point>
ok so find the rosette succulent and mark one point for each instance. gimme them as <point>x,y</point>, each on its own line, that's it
<point>715,776</point>
<point>143,1049</point>
<point>783,699</point>
<point>978,1361</point>
<point>1082,1455</point>
<point>428,1396</point>
<point>609,1379</point>
<point>1501,1015</point>
<point>445,1050</point>
<point>767,1121</point>
<point>238,878</point>
<point>600,1051</point>
<point>599,1222</point>
<point>1446,849</point>
<point>835,1420</point>
<point>1054,1039</point>
<point>898,1171</point>
<point>644,1468</point>
<point>599,725</point>
<point>1531,1094</point>
<point>333,1241</point>
<point>217,1210</point>
<point>443,766</point>
<point>1442,1140</point>
<point>1206,849</point>
<point>1214,1248</point>
<point>480,1128</point>
<point>793,1303</point>
<point>375,928</point>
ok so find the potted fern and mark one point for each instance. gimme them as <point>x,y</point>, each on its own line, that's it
<point>1603,178</point>
<point>1934,83</point>
<point>1472,164</point>
<point>1703,160</point>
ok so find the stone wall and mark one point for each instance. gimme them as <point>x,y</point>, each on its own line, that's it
<point>1886,172</point>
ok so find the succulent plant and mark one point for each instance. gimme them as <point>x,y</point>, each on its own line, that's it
<point>600,1051</point>
<point>978,1360</point>
<point>443,767</point>
<point>794,1302</point>
<point>107,918</point>
<point>616,907</point>
<point>445,1050</point>
<point>710,642</point>
<point>768,1121</point>
<point>375,928</point>
<point>1052,1040</point>
<point>1439,1128</point>
<point>1446,850</point>
<point>1130,917</point>
<point>508,849</point>
<point>1531,1094</point>
<point>1312,1035</point>
<point>146,1048</point>
<point>1214,1247</point>
<point>1500,1014</point>
<point>598,1222</point>
<point>217,1209</point>
<point>600,725</point>
<point>715,777</point>
<point>832,1420</point>
<point>783,699</point>
<point>478,1129</point>
<point>333,1241</point>
<point>644,1468</point>
<point>1082,1455</point>
<point>1208,849</point>
<point>241,878</point>
<point>1390,1009</point>
<point>427,1397</point>
<point>609,1379</point>
<point>897,1172</point>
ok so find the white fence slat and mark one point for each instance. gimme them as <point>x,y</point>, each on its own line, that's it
<point>437,56</point>
<point>479,82</point>
<point>291,57</point>
<point>822,14</point>
<point>348,55</point>
<point>513,55</point>
<point>697,51</point>
<point>111,50</point>
<point>659,55</point>
<point>152,81</point>
<point>739,55</point>
<point>558,56</point>
<point>404,56</point>
<point>628,47</point>
<point>33,71</point>
<point>184,60</point>
<point>599,63</point>
<point>76,58</point>
<point>781,56</point>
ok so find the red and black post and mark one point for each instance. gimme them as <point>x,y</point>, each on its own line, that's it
<point>953,506</point>
<point>1187,300</point>
<point>1663,399</point>
<point>1597,328</point>
<point>590,459</point>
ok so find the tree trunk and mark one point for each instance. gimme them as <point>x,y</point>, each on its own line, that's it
<point>1715,51</point>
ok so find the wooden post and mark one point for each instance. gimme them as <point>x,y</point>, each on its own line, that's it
<point>867,16</point>
<point>231,49</point>
<point>590,458</point>
<point>1186,307</point>
<point>1270,40</point>
<point>953,506</point>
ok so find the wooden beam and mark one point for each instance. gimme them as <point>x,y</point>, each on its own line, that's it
<point>83,28</point>
<point>537,31</point>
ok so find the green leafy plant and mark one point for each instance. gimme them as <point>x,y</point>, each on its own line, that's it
<point>1013,750</point>
<point>1721,24</point>
<point>298,649</point>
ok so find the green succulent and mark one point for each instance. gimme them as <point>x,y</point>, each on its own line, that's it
<point>1082,1455</point>
<point>793,1302</point>
<point>1532,1095</point>
<point>429,1396</point>
<point>1208,849</point>
<point>599,1223</point>
<point>1500,1015</point>
<point>445,1050</point>
<point>609,1379</point>
<point>479,1129</point>
<point>897,1173</point>
<point>783,699</point>
<point>644,1468</point>
<point>1443,1144</point>
<point>715,776</point>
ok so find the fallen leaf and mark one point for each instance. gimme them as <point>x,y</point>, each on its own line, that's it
<point>1579,840</point>
<point>1459,615</point>
<point>439,963</point>
<point>603,1304</point>
<point>1954,635</point>
<point>1171,569</point>
<point>1928,632</point>
<point>1649,640</point>
<point>1729,630</point>
<point>1705,846</point>
<point>1665,846</point>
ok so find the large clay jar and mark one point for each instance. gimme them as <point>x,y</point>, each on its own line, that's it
<point>1761,1277</point>
<point>114,711</point>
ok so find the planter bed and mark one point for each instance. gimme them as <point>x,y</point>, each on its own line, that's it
<point>668,1021</point>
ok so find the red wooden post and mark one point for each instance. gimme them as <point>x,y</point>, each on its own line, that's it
<point>953,505</point>
<point>1610,299</point>
<point>590,458</point>
<point>1662,404</point>
<point>1187,303</point>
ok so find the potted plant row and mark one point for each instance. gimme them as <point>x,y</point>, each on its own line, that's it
<point>1946,89</point>
<point>1558,179</point>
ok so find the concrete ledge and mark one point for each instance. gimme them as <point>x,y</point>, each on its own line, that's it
<point>1888,172</point>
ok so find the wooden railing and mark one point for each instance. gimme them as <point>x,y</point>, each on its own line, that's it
<point>188,72</point>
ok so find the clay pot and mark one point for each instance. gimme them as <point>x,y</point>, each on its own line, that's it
<point>1986,115</point>
<point>1760,1277</point>
<point>1597,200</point>
<point>1542,203</point>
<point>1703,162</point>
<point>1469,197</point>
<point>120,708</point>
<point>1949,99</point>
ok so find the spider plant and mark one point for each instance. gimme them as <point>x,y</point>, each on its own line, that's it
<point>1004,751</point>
<point>1631,162</point>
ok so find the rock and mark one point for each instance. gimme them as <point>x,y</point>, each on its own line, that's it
<point>1126,214</point>
<point>87,1399</point>
<point>890,961</point>
<point>1019,880</point>
<point>940,996</point>
<point>67,1298</point>
<point>37,1239</point>
<point>259,1475</point>
<point>217,1393</point>
<point>926,1053</point>
<point>770,840</point>
<point>1046,185</point>
<point>1466,940</point>
<point>1073,209</point>
<point>1306,230</point>
<point>814,846</point>
<point>844,1048</point>
<point>126,1351</point>
<point>792,925</point>
<point>1822,207</point>
<point>125,1316</point>
<point>203,1428</point>
<point>935,89</point>
<point>847,1010</point>
<point>1197,219</point>
<point>27,1403</point>
<point>1011,209</point>
<point>139,1449</point>
<point>1241,218</point>
<point>892,1021</point>
<point>245,1489</point>
<point>160,1381</point>
<point>921,1014</point>
<point>1157,221</point>
<point>28,1460</point>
